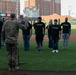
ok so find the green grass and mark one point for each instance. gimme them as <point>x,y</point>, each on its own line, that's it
<point>65,60</point>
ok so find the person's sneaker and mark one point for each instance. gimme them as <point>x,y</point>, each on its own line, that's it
<point>57,51</point>
<point>53,51</point>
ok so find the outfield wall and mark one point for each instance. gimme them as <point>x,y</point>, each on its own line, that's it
<point>73,26</point>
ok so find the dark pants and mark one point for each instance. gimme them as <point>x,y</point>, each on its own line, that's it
<point>26,39</point>
<point>12,52</point>
<point>39,41</point>
<point>50,44</point>
<point>55,43</point>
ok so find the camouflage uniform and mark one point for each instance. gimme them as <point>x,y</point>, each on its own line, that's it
<point>10,31</point>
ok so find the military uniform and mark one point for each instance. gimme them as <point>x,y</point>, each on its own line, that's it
<point>10,31</point>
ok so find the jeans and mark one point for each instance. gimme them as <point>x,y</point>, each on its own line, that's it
<point>26,39</point>
<point>55,43</point>
<point>65,37</point>
<point>50,44</point>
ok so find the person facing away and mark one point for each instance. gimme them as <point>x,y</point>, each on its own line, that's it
<point>66,32</point>
<point>1,24</point>
<point>10,31</point>
<point>56,34</point>
<point>50,45</point>
<point>39,32</point>
<point>26,33</point>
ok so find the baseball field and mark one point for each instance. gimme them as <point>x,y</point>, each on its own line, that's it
<point>45,62</point>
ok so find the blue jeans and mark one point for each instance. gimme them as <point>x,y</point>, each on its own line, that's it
<point>65,37</point>
<point>50,44</point>
<point>55,43</point>
<point>26,39</point>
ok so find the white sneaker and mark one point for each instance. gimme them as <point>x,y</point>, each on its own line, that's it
<point>53,51</point>
<point>56,51</point>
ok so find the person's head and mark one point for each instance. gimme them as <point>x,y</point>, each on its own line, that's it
<point>39,19</point>
<point>55,21</point>
<point>13,15</point>
<point>50,22</point>
<point>66,19</point>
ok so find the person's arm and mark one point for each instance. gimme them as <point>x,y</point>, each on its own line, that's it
<point>61,26</point>
<point>69,29</point>
<point>30,32</point>
<point>60,32</point>
<point>44,29</point>
<point>22,26</point>
<point>30,26</point>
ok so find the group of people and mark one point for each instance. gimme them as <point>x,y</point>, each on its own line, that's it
<point>10,32</point>
<point>55,31</point>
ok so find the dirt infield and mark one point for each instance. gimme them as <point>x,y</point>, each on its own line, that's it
<point>36,73</point>
<point>72,37</point>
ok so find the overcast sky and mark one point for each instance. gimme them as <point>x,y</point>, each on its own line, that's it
<point>66,5</point>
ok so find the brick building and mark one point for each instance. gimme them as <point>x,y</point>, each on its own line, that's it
<point>10,6</point>
<point>46,7</point>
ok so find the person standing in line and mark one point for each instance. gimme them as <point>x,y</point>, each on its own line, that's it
<point>66,32</point>
<point>26,33</point>
<point>39,32</point>
<point>56,34</point>
<point>10,32</point>
<point>50,44</point>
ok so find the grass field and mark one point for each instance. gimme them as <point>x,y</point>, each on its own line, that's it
<point>65,60</point>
